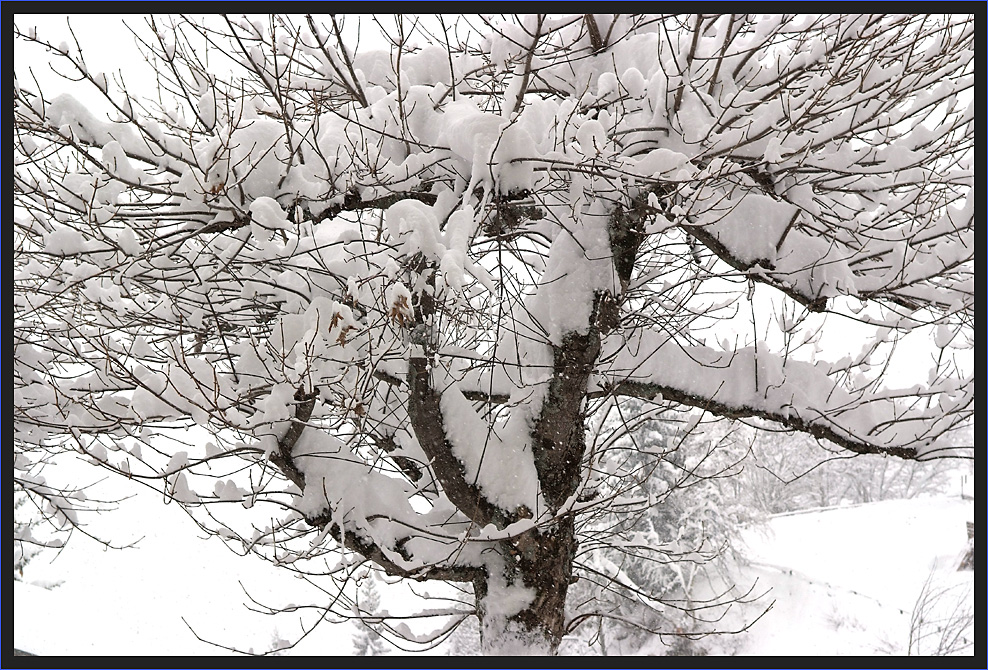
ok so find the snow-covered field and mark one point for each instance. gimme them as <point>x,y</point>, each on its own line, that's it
<point>843,581</point>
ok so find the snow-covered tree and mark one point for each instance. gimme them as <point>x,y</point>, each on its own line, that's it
<point>641,562</point>
<point>24,551</point>
<point>390,273</point>
<point>368,640</point>
<point>791,471</point>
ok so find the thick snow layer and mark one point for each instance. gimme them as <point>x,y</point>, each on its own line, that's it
<point>751,227</point>
<point>151,600</point>
<point>268,214</point>
<point>118,164</point>
<point>846,581</point>
<point>65,240</point>
<point>497,458</point>
<point>579,266</point>
<point>769,383</point>
<point>415,225</point>
<point>339,481</point>
<point>487,143</point>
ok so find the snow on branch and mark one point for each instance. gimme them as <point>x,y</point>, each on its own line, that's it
<point>749,382</point>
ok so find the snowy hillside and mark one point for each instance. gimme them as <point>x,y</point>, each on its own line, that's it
<point>843,581</point>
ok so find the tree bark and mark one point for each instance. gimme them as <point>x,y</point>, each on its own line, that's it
<point>534,570</point>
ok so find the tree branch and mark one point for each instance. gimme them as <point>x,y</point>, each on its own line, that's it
<point>283,457</point>
<point>426,417</point>
<point>371,551</point>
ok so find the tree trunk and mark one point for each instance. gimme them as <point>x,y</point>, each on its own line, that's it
<point>521,599</point>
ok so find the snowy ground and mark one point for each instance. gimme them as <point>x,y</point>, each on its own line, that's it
<point>844,581</point>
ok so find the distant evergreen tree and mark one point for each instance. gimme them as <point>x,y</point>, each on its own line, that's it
<point>674,526</point>
<point>368,640</point>
<point>279,646</point>
<point>24,551</point>
<point>465,640</point>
